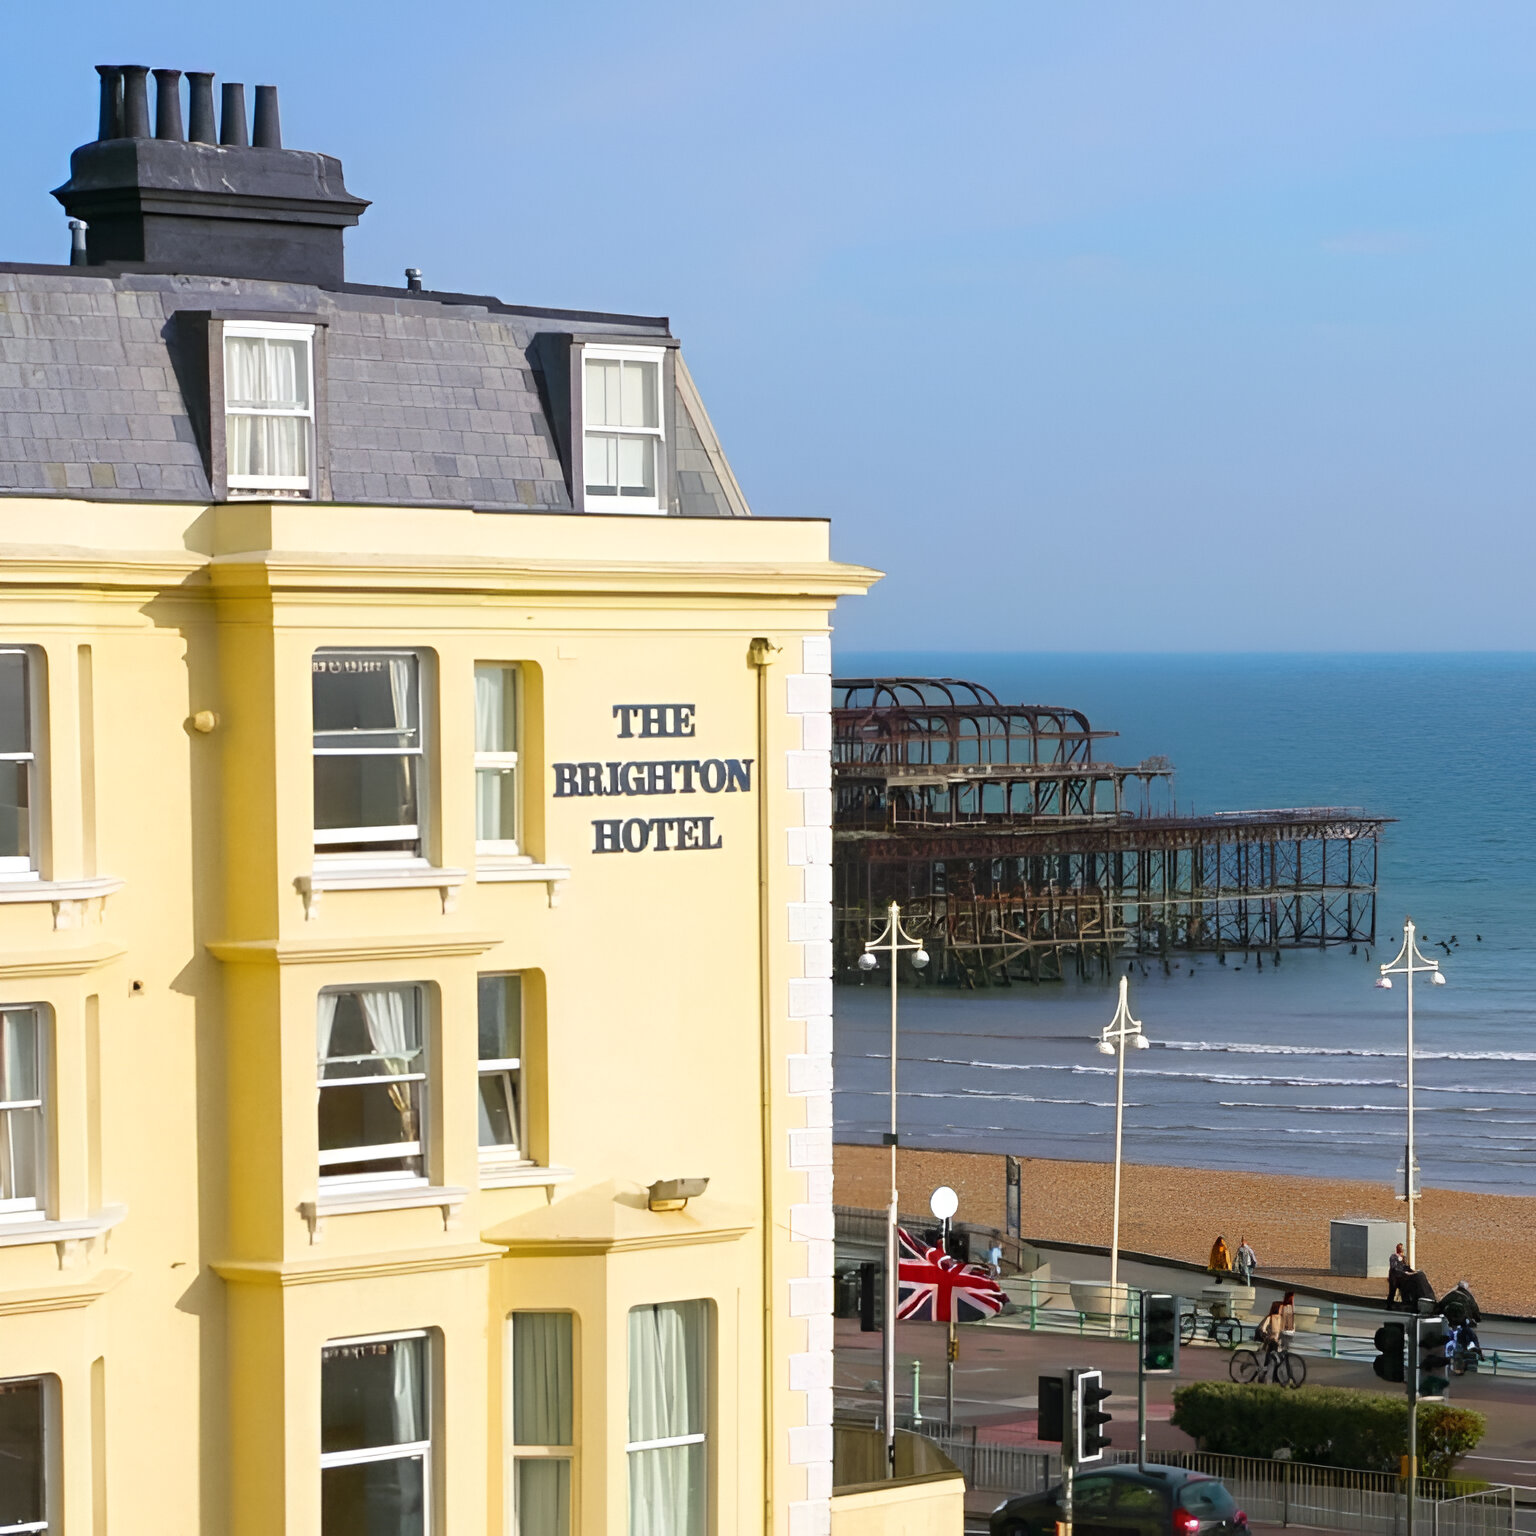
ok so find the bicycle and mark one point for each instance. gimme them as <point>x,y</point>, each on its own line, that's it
<point>1224,1331</point>
<point>1276,1365</point>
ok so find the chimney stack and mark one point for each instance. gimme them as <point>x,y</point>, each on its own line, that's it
<point>180,202</point>
<point>168,105</point>
<point>135,101</point>
<point>200,93</point>
<point>232,131</point>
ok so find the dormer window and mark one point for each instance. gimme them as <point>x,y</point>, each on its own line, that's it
<point>623,436</point>
<point>269,408</point>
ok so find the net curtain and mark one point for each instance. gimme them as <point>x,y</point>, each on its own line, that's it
<point>261,375</point>
<point>667,1347</point>
<point>389,1015</point>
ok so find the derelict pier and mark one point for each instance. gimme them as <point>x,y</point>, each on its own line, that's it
<point>1015,852</point>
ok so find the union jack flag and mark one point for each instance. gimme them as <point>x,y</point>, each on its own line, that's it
<point>929,1283</point>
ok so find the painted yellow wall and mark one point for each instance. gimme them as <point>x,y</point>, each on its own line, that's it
<point>929,1508</point>
<point>679,1006</point>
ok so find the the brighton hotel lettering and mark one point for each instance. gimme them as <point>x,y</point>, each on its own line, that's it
<point>655,776</point>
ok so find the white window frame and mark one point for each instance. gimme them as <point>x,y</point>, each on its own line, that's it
<point>503,762</point>
<point>30,1207</point>
<point>500,1154</point>
<point>256,485</point>
<point>23,866</point>
<point>409,832</point>
<point>387,1178</point>
<point>50,1458</point>
<point>516,1451</point>
<point>644,506</point>
<point>405,1450</point>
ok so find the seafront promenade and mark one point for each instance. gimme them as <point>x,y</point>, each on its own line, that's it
<point>1176,1213</point>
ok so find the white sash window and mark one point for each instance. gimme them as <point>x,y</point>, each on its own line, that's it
<point>668,1448</point>
<point>371,1087</point>
<point>368,753</point>
<point>26,1426</point>
<point>496,752</point>
<point>501,1069</point>
<point>623,434</point>
<point>376,1436</point>
<point>543,1412</point>
<point>269,407</point>
<point>23,1139</point>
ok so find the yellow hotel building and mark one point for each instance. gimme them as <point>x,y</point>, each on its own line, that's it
<point>415,1038</point>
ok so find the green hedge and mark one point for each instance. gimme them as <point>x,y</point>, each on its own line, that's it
<point>1333,1426</point>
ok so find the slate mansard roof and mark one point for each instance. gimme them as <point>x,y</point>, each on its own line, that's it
<point>427,400</point>
<point>421,398</point>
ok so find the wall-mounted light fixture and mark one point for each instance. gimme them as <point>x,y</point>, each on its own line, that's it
<point>674,1194</point>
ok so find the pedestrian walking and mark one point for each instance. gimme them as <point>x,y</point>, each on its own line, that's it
<point>1221,1260</point>
<point>1247,1262</point>
<point>995,1257</point>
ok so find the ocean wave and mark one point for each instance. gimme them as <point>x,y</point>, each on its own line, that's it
<point>1242,1048</point>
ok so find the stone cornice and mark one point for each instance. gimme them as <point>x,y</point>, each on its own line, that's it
<point>362,946</point>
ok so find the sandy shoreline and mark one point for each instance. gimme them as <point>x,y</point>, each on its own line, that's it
<point>1487,1240</point>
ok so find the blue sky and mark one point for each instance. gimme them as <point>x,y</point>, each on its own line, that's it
<point>1097,327</point>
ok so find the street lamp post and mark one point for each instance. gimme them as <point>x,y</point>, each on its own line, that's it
<point>1112,1042</point>
<point>1410,963</point>
<point>893,941</point>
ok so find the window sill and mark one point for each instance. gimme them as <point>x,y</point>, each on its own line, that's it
<point>415,874</point>
<point>70,898</point>
<point>523,1175</point>
<point>66,1236</point>
<point>381,1197</point>
<point>506,869</point>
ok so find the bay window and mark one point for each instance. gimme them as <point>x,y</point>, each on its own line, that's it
<point>371,1086</point>
<point>376,1436</point>
<point>543,1391</point>
<point>623,436</point>
<point>501,1069</point>
<point>368,753</point>
<point>22,1130</point>
<point>18,762</point>
<point>496,740</point>
<point>24,1454</point>
<point>668,1447</point>
<point>269,408</point>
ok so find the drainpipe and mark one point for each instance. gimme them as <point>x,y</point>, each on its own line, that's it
<point>760,656</point>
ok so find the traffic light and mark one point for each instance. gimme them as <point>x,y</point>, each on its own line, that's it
<point>1433,1336</point>
<point>1053,1408</point>
<point>869,1297</point>
<point>1089,1440</point>
<point>1159,1334</point>
<point>1391,1339</point>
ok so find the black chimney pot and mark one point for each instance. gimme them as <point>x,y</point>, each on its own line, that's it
<point>201,128</point>
<point>111,101</point>
<point>267,132</point>
<point>232,130</point>
<point>168,105</point>
<point>135,101</point>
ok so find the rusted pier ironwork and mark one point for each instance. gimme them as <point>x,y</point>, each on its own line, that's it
<point>1016,853</point>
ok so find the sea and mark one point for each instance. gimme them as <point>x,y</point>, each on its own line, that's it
<point>1298,1067</point>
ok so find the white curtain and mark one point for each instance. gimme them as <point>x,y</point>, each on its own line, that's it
<point>543,1496</point>
<point>492,706</point>
<point>20,1129</point>
<point>666,1399</point>
<point>325,1022</point>
<point>541,1378</point>
<point>269,446</point>
<point>407,1392</point>
<point>392,1032</point>
<point>402,674</point>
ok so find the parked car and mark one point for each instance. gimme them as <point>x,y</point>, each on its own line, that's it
<point>1128,1501</point>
